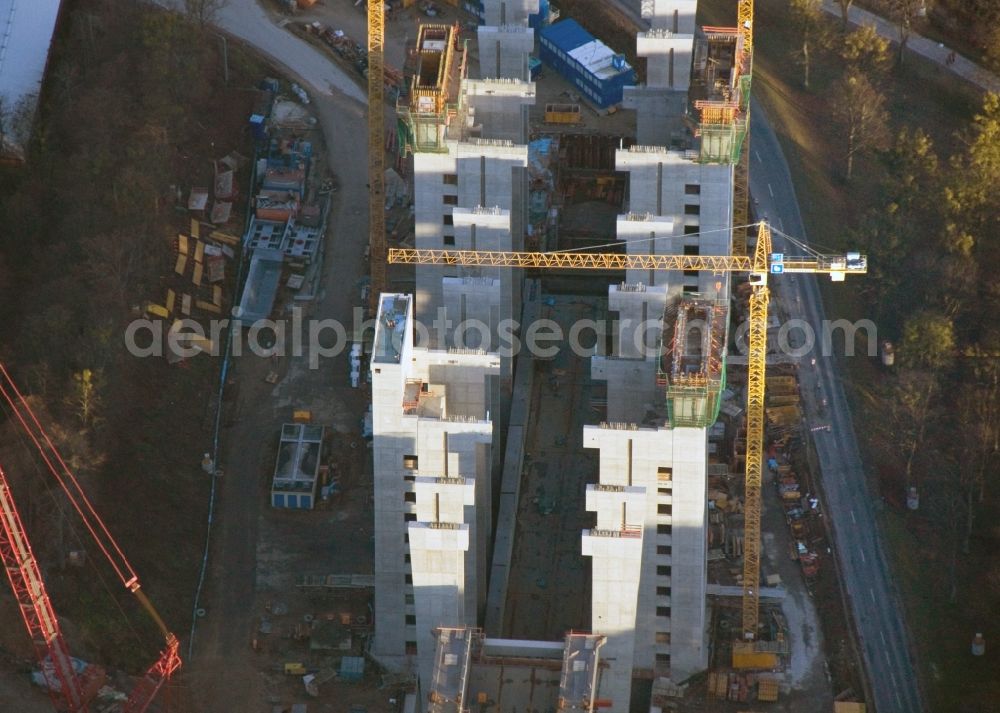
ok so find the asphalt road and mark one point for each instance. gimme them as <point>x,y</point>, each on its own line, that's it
<point>867,575</point>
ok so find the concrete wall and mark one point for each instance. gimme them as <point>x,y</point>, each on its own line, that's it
<point>477,173</point>
<point>659,115</point>
<point>677,16</point>
<point>632,389</point>
<point>499,107</point>
<point>617,562</point>
<point>509,12</point>
<point>504,50</point>
<point>696,197</point>
<point>411,452</point>
<point>669,464</point>
<point>668,58</point>
<point>438,584</point>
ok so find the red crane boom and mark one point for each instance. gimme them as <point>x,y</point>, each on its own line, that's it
<point>36,609</point>
<point>65,686</point>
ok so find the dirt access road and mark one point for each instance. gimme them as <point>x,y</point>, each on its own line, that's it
<point>221,677</point>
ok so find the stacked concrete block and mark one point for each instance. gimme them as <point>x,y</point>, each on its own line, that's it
<point>697,197</point>
<point>432,452</point>
<point>504,51</point>
<point>499,107</point>
<point>668,465</point>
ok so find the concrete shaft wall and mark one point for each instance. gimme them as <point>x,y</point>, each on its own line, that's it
<point>615,547</point>
<point>697,197</point>
<point>669,464</point>
<point>668,59</point>
<point>448,435</point>
<point>499,107</point>
<point>632,389</point>
<point>638,309</point>
<point>508,12</point>
<point>479,173</point>
<point>677,16</point>
<point>439,580</point>
<point>646,234</point>
<point>504,51</point>
<point>659,115</point>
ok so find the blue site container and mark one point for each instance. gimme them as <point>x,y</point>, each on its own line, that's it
<point>594,68</point>
<point>352,668</point>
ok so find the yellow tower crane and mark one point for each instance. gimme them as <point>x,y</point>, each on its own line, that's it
<point>762,263</point>
<point>741,176</point>
<point>376,148</point>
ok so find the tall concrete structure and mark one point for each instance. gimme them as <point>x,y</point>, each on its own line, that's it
<point>664,377</point>
<point>470,181</point>
<point>696,197</point>
<point>505,40</point>
<point>649,553</point>
<point>668,46</point>
<point>434,406</point>
<point>466,194</point>
<point>433,438</point>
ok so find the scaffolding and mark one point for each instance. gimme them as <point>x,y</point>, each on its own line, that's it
<point>578,682</point>
<point>692,360</point>
<point>722,80</point>
<point>723,67</point>
<point>438,65</point>
<point>451,670</point>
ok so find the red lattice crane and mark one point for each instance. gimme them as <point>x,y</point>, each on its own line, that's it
<point>69,690</point>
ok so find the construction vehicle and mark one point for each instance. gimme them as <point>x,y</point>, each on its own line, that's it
<point>760,266</point>
<point>70,690</point>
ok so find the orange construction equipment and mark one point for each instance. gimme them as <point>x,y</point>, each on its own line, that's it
<point>69,690</point>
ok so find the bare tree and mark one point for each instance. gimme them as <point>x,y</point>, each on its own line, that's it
<point>23,119</point>
<point>860,110</point>
<point>6,119</point>
<point>204,12</point>
<point>808,17</point>
<point>979,423</point>
<point>910,399</point>
<point>904,13</point>
<point>845,5</point>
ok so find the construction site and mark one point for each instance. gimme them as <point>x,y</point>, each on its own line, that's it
<point>632,488</point>
<point>573,470</point>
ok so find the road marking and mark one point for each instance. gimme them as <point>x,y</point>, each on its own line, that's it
<point>893,677</point>
<point>853,519</point>
<point>898,701</point>
<point>769,190</point>
<point>872,593</point>
<point>781,225</point>
<point>887,659</point>
<point>862,555</point>
<point>758,156</point>
<point>882,636</point>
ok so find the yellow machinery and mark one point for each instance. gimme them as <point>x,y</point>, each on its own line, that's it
<point>376,148</point>
<point>762,263</point>
<point>741,176</point>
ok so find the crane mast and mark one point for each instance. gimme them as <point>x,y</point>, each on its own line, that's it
<point>756,372</point>
<point>376,149</point>
<point>36,609</point>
